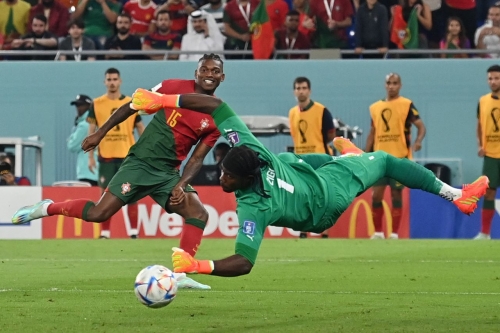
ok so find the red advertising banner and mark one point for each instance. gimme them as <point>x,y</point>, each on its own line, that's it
<point>154,222</point>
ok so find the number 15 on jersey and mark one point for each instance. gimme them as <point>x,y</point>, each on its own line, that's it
<point>172,120</point>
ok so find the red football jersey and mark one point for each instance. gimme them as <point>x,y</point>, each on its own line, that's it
<point>141,15</point>
<point>190,126</point>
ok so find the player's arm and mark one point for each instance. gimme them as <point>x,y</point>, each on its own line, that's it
<point>370,139</point>
<point>328,130</point>
<point>419,124</point>
<point>139,125</point>
<point>479,133</point>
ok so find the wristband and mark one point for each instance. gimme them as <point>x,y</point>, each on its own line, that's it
<point>170,101</point>
<point>205,266</point>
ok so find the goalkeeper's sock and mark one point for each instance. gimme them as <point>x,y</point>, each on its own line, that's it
<point>378,214</point>
<point>133,216</point>
<point>73,208</point>
<point>192,232</point>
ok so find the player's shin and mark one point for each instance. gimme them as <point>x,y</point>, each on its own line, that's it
<point>74,208</point>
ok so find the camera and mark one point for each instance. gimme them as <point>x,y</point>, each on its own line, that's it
<point>4,168</point>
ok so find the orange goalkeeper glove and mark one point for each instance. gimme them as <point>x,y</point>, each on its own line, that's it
<point>183,262</point>
<point>149,102</point>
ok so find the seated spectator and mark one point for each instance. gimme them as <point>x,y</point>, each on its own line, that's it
<point>38,39</point>
<point>178,13</point>
<point>487,36</point>
<point>56,14</point>
<point>332,17</point>
<point>290,37</point>
<point>162,38</point>
<point>123,40</point>
<point>372,29</point>
<point>306,24</point>
<point>237,18</point>
<point>14,19</point>
<point>276,11</point>
<point>455,38</point>
<point>142,13</point>
<point>203,35</point>
<point>216,9</point>
<point>7,177</point>
<point>99,17</point>
<point>76,42</point>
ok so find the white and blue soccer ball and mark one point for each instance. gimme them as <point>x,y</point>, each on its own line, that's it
<point>155,286</point>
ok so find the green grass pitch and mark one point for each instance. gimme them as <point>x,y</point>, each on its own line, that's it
<point>311,285</point>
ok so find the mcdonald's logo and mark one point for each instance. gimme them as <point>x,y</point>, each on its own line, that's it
<point>78,225</point>
<point>353,219</point>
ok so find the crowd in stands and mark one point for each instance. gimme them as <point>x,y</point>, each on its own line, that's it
<point>215,25</point>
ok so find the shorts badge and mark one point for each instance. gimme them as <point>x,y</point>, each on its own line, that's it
<point>126,188</point>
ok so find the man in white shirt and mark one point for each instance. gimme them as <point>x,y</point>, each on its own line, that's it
<point>203,35</point>
<point>488,35</point>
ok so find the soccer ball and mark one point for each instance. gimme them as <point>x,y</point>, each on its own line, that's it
<point>155,286</point>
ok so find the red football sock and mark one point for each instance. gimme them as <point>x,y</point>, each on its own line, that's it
<point>378,214</point>
<point>486,219</point>
<point>73,208</point>
<point>396,219</point>
<point>192,232</point>
<point>133,214</point>
<point>105,228</point>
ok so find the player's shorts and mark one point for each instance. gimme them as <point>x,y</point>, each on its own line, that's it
<point>107,170</point>
<point>352,175</point>
<point>395,185</point>
<point>491,169</point>
<point>136,179</point>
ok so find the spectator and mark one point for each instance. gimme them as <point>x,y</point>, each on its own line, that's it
<point>391,120</point>
<point>76,42</point>
<point>216,9</point>
<point>7,176</point>
<point>455,39</point>
<point>123,40</point>
<point>142,13</point>
<point>306,24</point>
<point>277,10</point>
<point>488,139</point>
<point>56,14</point>
<point>424,17</point>
<point>162,38</point>
<point>38,39</point>
<point>466,11</point>
<point>99,17</point>
<point>178,13</point>
<point>290,37</point>
<point>237,18</point>
<point>372,29</point>
<point>311,125</point>
<point>74,142</point>
<point>332,18</point>
<point>203,35</point>
<point>14,18</point>
<point>488,35</point>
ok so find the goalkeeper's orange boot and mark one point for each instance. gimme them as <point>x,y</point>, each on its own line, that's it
<point>471,193</point>
<point>147,101</point>
<point>345,146</point>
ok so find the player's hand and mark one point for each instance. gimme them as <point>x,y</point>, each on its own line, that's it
<point>417,146</point>
<point>178,196</point>
<point>91,141</point>
<point>480,152</point>
<point>9,178</point>
<point>183,262</point>
<point>145,100</point>
<point>92,164</point>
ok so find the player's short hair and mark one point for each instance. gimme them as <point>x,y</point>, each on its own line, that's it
<point>112,70</point>
<point>78,22</point>
<point>211,56</point>
<point>161,12</point>
<point>127,15</point>
<point>302,79</point>
<point>40,17</point>
<point>222,146</point>
<point>494,68</point>
<point>243,161</point>
<point>391,74</point>
<point>293,12</point>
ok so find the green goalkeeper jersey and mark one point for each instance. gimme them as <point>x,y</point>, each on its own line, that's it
<point>298,195</point>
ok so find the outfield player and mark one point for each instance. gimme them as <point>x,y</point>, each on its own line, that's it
<point>116,143</point>
<point>391,120</point>
<point>151,167</point>
<point>488,139</point>
<point>302,192</point>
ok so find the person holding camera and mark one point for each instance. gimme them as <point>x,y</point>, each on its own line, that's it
<point>7,178</point>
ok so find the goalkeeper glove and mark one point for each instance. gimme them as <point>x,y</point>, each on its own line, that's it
<point>149,102</point>
<point>183,262</point>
